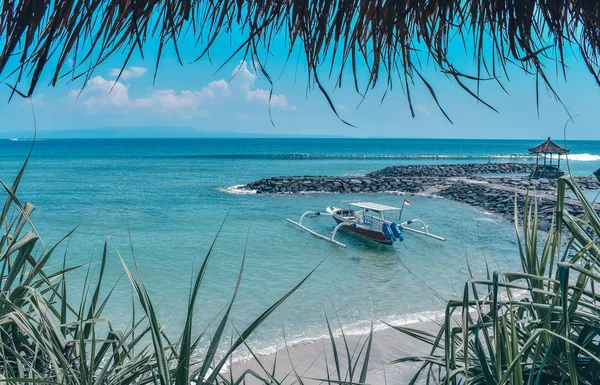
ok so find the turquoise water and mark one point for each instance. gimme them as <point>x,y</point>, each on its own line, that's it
<point>171,196</point>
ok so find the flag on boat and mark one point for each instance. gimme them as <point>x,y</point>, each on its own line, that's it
<point>407,202</point>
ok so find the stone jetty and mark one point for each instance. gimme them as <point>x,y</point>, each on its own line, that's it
<point>454,170</point>
<point>408,179</point>
<point>491,186</point>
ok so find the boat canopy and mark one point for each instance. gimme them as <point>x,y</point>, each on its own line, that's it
<point>376,207</point>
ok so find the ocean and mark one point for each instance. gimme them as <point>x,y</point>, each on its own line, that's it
<point>164,201</point>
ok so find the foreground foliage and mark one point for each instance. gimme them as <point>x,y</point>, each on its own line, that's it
<point>48,337</point>
<point>391,39</point>
<point>540,325</point>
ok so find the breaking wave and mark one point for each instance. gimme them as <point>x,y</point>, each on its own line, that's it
<point>308,156</point>
<point>360,329</point>
<point>584,157</point>
<point>238,189</point>
<point>313,156</point>
<point>353,329</point>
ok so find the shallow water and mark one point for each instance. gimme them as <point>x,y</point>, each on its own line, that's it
<point>171,197</point>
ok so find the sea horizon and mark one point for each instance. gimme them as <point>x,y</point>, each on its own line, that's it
<point>290,136</point>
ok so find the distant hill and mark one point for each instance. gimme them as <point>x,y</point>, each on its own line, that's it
<point>144,132</point>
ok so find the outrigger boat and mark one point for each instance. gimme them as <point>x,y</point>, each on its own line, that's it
<point>367,219</point>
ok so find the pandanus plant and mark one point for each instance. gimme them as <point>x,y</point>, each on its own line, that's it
<point>540,325</point>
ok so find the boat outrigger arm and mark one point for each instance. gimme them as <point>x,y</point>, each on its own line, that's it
<point>316,214</point>
<point>352,224</point>
<point>424,231</point>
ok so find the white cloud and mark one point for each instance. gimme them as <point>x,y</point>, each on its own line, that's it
<point>219,85</point>
<point>423,110</point>
<point>242,71</point>
<point>247,78</point>
<point>129,73</point>
<point>185,103</point>
<point>102,94</point>
<point>277,101</point>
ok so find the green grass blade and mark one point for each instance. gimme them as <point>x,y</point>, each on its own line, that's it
<point>182,372</point>
<point>363,373</point>
<point>256,323</point>
<point>212,349</point>
<point>333,347</point>
<point>164,376</point>
<point>94,301</point>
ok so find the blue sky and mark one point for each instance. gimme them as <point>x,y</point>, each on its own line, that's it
<point>235,99</point>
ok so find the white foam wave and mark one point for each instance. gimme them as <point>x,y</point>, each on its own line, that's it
<point>238,189</point>
<point>308,156</point>
<point>317,156</point>
<point>584,157</point>
<point>357,329</point>
<point>486,219</point>
<point>407,319</point>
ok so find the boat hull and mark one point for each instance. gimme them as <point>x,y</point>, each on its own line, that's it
<point>376,236</point>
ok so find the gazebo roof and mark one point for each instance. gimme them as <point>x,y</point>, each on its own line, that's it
<point>548,147</point>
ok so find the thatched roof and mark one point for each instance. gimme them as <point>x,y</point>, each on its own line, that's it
<point>392,38</point>
<point>548,147</point>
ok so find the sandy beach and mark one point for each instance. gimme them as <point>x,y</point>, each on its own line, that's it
<point>312,361</point>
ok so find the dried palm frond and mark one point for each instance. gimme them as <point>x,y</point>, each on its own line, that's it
<point>388,37</point>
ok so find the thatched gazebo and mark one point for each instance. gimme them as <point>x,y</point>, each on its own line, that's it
<point>547,170</point>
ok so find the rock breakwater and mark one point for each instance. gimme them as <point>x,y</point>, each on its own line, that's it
<point>465,183</point>
<point>304,184</point>
<point>454,170</point>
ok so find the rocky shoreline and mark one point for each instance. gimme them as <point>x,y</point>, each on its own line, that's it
<point>488,186</point>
